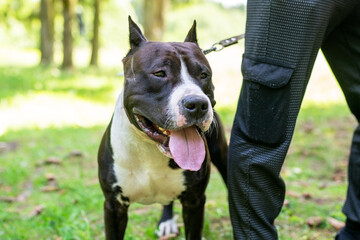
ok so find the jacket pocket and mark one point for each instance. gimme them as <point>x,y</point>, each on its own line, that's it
<point>264,101</point>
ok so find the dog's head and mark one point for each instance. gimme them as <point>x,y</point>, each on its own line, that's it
<point>169,95</point>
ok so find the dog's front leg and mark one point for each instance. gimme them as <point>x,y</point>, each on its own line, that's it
<point>193,216</point>
<point>167,225</point>
<point>116,218</point>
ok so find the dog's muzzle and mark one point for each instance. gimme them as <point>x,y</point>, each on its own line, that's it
<point>185,145</point>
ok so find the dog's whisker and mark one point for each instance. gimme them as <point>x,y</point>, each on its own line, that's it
<point>213,127</point>
<point>167,120</point>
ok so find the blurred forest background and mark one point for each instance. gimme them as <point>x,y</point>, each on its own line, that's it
<point>68,29</point>
<point>60,74</point>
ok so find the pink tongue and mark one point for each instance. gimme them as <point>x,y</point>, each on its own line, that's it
<point>187,148</point>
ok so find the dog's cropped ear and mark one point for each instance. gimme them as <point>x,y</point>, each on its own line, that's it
<point>191,36</point>
<point>136,37</point>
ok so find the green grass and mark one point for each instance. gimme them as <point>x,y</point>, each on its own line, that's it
<point>74,211</point>
<point>315,168</point>
<point>315,171</point>
<point>90,84</point>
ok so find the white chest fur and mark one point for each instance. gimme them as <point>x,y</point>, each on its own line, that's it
<point>141,170</point>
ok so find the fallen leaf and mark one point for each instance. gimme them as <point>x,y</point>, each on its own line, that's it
<point>52,184</point>
<point>8,146</point>
<point>314,222</point>
<point>308,127</point>
<point>292,194</point>
<point>339,175</point>
<point>307,196</point>
<point>76,153</point>
<point>286,203</point>
<point>321,201</point>
<point>49,188</point>
<point>7,199</point>
<point>323,185</point>
<point>37,211</point>
<point>53,160</point>
<point>50,176</point>
<point>336,224</point>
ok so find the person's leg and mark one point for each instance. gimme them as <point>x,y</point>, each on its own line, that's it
<point>281,44</point>
<point>342,51</point>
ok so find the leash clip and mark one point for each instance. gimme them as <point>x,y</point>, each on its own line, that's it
<point>218,46</point>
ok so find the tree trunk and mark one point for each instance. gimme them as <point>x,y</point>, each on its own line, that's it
<point>47,31</point>
<point>68,13</point>
<point>154,19</point>
<point>95,39</point>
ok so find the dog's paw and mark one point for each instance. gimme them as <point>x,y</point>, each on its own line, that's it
<point>168,229</point>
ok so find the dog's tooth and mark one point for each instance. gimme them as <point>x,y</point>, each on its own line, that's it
<point>164,151</point>
<point>162,130</point>
<point>166,132</point>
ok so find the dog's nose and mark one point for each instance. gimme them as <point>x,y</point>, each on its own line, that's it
<point>195,106</point>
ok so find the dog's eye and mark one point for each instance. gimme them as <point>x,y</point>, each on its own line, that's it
<point>160,74</point>
<point>203,75</point>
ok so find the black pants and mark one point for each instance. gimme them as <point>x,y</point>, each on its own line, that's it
<point>283,38</point>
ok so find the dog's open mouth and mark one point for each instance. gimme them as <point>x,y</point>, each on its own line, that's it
<point>156,133</point>
<point>185,146</point>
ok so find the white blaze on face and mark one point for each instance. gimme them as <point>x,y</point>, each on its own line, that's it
<point>185,88</point>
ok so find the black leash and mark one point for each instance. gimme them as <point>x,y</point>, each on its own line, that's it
<point>223,44</point>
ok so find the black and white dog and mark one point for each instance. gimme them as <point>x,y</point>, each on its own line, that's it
<point>163,133</point>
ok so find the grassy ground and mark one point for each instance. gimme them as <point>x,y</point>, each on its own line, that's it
<point>48,181</point>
